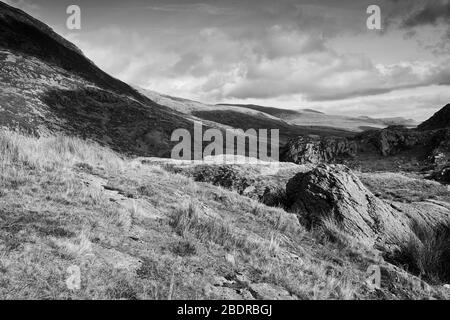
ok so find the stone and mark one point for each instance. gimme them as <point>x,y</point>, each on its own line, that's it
<point>334,192</point>
<point>315,149</point>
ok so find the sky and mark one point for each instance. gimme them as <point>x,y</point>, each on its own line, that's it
<point>285,53</point>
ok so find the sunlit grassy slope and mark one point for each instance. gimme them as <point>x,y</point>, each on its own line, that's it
<point>137,231</point>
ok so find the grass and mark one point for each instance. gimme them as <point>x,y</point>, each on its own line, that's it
<point>137,231</point>
<point>398,187</point>
<point>187,221</point>
<point>427,253</point>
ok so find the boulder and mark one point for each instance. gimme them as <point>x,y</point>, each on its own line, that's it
<point>315,149</point>
<point>225,176</point>
<point>334,192</point>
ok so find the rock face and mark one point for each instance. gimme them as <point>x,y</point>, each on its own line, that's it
<point>439,120</point>
<point>334,192</point>
<point>432,145</point>
<point>315,149</point>
<point>391,140</point>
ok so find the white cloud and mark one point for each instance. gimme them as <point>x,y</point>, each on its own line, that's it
<point>278,54</point>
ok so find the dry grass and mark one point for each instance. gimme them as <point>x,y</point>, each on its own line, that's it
<point>398,187</point>
<point>427,254</point>
<point>53,153</point>
<point>172,242</point>
<point>187,221</point>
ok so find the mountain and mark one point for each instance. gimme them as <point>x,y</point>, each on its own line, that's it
<point>311,110</point>
<point>47,85</point>
<point>393,121</point>
<point>439,120</point>
<point>279,113</point>
<point>314,118</point>
<point>244,117</point>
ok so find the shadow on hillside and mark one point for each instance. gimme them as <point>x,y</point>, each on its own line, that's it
<point>287,131</point>
<point>120,122</point>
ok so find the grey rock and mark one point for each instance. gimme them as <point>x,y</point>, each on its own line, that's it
<point>315,149</point>
<point>334,192</point>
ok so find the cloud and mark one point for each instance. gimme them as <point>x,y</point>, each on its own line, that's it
<point>214,64</point>
<point>284,54</point>
<point>433,13</point>
<point>330,76</point>
<point>419,103</point>
<point>202,8</point>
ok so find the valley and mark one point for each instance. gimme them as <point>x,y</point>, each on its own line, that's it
<point>88,180</point>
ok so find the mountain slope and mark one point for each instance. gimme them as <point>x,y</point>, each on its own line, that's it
<point>313,118</point>
<point>276,112</point>
<point>47,85</point>
<point>439,120</point>
<point>244,117</point>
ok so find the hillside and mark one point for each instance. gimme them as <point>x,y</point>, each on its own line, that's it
<point>279,113</point>
<point>245,121</point>
<point>137,230</point>
<point>47,85</point>
<point>245,117</point>
<point>313,118</point>
<point>439,120</point>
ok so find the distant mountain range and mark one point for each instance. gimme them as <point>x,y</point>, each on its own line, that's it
<point>316,118</point>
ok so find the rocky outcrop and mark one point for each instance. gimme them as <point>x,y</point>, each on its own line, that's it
<point>315,149</point>
<point>334,192</point>
<point>442,175</point>
<point>431,147</point>
<point>439,120</point>
<point>440,155</point>
<point>225,176</point>
<point>391,140</point>
<point>263,182</point>
<point>268,191</point>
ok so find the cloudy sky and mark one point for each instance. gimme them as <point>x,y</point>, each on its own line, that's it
<point>283,53</point>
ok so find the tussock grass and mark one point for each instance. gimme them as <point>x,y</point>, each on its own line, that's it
<point>187,220</point>
<point>81,246</point>
<point>427,253</point>
<point>52,153</point>
<point>330,231</point>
